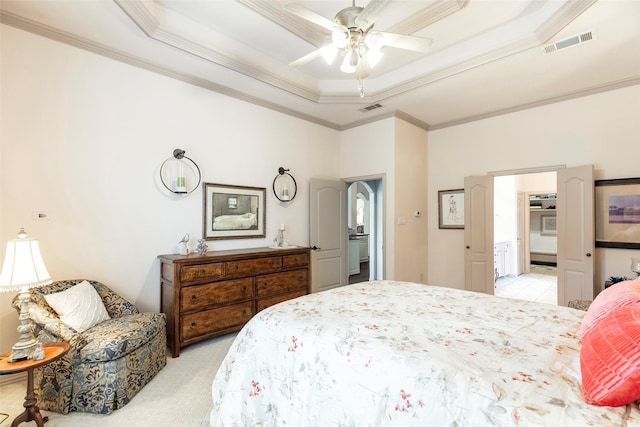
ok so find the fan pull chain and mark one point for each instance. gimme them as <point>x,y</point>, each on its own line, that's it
<point>361,88</point>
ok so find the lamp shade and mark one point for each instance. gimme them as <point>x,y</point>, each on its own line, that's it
<point>23,266</point>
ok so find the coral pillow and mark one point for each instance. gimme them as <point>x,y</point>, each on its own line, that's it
<point>619,295</point>
<point>610,358</point>
<point>80,306</point>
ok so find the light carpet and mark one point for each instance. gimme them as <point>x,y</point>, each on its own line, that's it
<point>180,395</point>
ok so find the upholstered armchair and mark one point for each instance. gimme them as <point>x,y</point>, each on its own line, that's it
<point>107,364</point>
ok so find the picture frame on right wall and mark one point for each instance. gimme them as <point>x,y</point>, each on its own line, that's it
<point>618,213</point>
<point>451,209</point>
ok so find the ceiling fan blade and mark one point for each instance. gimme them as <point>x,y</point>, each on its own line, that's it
<point>310,15</point>
<point>329,50</point>
<point>370,13</point>
<point>400,41</point>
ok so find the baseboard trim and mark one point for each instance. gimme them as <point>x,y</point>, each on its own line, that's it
<point>13,378</point>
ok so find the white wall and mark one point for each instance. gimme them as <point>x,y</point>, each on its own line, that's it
<point>600,129</point>
<point>83,138</point>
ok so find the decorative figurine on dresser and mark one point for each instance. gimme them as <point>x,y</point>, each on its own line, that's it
<point>214,293</point>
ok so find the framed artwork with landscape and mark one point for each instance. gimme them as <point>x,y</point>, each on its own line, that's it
<point>618,213</point>
<point>233,212</point>
<point>451,209</point>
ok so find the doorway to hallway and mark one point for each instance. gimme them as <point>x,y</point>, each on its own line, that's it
<point>365,226</point>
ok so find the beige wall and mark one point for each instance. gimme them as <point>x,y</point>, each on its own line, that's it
<point>600,129</point>
<point>83,137</point>
<point>369,150</point>
<point>410,258</point>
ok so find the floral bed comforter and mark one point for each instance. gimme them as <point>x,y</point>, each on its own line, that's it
<point>389,353</point>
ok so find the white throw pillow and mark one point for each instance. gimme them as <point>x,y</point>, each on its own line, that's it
<point>80,306</point>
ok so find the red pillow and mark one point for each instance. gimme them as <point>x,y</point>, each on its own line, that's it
<point>610,358</point>
<point>619,295</point>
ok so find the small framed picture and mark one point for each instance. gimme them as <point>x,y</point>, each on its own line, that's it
<point>548,225</point>
<point>451,209</point>
<point>233,212</point>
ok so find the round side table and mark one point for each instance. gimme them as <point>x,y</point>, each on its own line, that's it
<point>52,351</point>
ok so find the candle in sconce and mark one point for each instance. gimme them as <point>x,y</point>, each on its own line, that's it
<point>181,186</point>
<point>282,227</point>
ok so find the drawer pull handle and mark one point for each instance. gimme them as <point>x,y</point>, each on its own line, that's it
<point>237,267</point>
<point>203,271</point>
<point>264,285</point>
<point>194,297</point>
<point>244,289</point>
<point>244,313</point>
<point>193,325</point>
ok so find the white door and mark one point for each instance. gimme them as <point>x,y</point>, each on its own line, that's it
<point>479,267</point>
<point>328,234</point>
<point>575,225</point>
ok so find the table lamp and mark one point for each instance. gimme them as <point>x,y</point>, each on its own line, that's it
<point>23,269</point>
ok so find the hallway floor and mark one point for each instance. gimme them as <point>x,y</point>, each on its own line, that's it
<point>540,285</point>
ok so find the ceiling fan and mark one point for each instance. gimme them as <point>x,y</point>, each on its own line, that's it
<point>354,38</point>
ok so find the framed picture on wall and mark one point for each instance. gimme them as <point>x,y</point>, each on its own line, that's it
<point>618,213</point>
<point>451,209</point>
<point>548,225</point>
<point>233,212</point>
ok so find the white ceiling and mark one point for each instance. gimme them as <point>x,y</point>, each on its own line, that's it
<point>486,56</point>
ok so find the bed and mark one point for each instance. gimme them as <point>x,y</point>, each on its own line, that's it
<point>235,222</point>
<point>388,353</point>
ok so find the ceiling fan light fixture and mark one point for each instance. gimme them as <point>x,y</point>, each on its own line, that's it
<point>340,37</point>
<point>374,40</point>
<point>346,66</point>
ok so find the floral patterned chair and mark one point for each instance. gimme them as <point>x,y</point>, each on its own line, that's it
<point>107,363</point>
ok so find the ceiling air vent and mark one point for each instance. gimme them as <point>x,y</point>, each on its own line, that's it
<point>370,107</point>
<point>569,42</point>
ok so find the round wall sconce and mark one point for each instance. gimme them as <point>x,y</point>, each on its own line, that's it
<point>284,185</point>
<point>179,174</point>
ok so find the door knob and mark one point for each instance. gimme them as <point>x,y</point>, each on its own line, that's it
<point>588,254</point>
<point>315,248</point>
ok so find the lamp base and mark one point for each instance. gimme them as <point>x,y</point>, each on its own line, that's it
<point>23,351</point>
<point>26,347</point>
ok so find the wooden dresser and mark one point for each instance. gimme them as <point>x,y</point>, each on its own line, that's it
<point>216,293</point>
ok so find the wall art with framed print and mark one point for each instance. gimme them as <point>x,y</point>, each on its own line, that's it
<point>233,212</point>
<point>451,209</point>
<point>618,213</point>
<point>548,225</point>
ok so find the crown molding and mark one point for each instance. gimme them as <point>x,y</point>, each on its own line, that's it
<point>620,84</point>
<point>435,12</point>
<point>567,13</point>
<point>275,13</point>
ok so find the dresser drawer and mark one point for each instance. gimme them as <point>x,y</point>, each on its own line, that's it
<point>219,293</point>
<point>196,273</point>
<point>272,284</point>
<point>205,322</point>
<point>253,266</point>
<point>298,260</point>
<point>268,302</point>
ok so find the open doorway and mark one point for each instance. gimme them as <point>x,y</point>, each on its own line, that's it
<point>525,236</point>
<point>365,225</point>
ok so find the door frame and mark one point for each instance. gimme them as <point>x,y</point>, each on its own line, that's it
<point>380,222</point>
